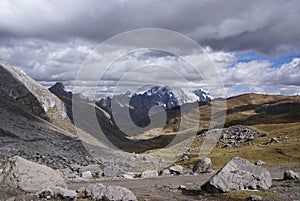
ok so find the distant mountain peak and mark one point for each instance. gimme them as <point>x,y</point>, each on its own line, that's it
<point>203,96</point>
<point>60,90</point>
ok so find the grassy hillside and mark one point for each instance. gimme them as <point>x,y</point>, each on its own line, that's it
<point>277,115</point>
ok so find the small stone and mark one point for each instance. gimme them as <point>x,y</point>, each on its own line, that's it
<point>259,162</point>
<point>290,175</point>
<point>254,197</point>
<point>75,167</point>
<point>181,187</point>
<point>149,174</point>
<point>128,176</point>
<point>176,169</point>
<point>165,172</point>
<point>274,139</point>
<point>87,175</point>
<point>64,193</point>
<point>95,169</point>
<point>185,157</point>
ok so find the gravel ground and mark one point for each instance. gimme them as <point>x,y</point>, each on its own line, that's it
<point>166,188</point>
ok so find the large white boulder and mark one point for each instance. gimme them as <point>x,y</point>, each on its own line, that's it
<point>239,174</point>
<point>29,176</point>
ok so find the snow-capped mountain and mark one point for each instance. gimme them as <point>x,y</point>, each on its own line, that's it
<point>162,95</point>
<point>202,95</point>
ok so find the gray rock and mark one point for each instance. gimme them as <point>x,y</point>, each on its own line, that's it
<point>274,139</point>
<point>128,176</point>
<point>259,162</point>
<point>92,190</point>
<point>87,175</point>
<point>254,197</point>
<point>11,199</point>
<point>202,165</point>
<point>68,173</point>
<point>58,192</point>
<point>131,175</point>
<point>176,169</point>
<point>110,172</point>
<point>64,193</point>
<point>29,176</point>
<point>185,157</point>
<point>75,167</point>
<point>165,172</point>
<point>113,193</point>
<point>290,175</point>
<point>239,174</point>
<point>149,174</point>
<point>95,169</point>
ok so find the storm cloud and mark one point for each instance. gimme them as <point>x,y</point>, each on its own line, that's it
<point>49,40</point>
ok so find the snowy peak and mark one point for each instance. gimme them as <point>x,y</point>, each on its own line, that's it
<point>165,96</point>
<point>202,95</point>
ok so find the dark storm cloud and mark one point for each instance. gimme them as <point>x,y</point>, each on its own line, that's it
<point>269,27</point>
<point>49,40</point>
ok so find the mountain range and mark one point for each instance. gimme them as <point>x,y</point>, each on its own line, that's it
<point>38,123</point>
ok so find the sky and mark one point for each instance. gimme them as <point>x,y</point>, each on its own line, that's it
<point>255,45</point>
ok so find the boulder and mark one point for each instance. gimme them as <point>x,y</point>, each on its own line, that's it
<point>114,193</point>
<point>239,174</point>
<point>110,172</point>
<point>202,165</point>
<point>87,175</point>
<point>58,192</point>
<point>259,162</point>
<point>95,169</point>
<point>149,174</point>
<point>290,175</point>
<point>29,176</point>
<point>165,172</point>
<point>176,169</point>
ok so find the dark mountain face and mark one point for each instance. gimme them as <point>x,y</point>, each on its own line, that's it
<point>59,90</point>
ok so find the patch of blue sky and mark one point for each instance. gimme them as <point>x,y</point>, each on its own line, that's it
<point>254,56</point>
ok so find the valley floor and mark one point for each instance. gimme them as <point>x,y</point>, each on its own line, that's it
<point>167,188</point>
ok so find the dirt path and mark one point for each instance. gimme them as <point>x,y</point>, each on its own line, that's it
<point>166,187</point>
<point>159,188</point>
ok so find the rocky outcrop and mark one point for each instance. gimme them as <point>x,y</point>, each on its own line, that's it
<point>239,174</point>
<point>231,137</point>
<point>31,97</point>
<point>114,193</point>
<point>28,176</point>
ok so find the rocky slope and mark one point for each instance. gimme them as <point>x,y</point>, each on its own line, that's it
<point>34,124</point>
<point>30,96</point>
